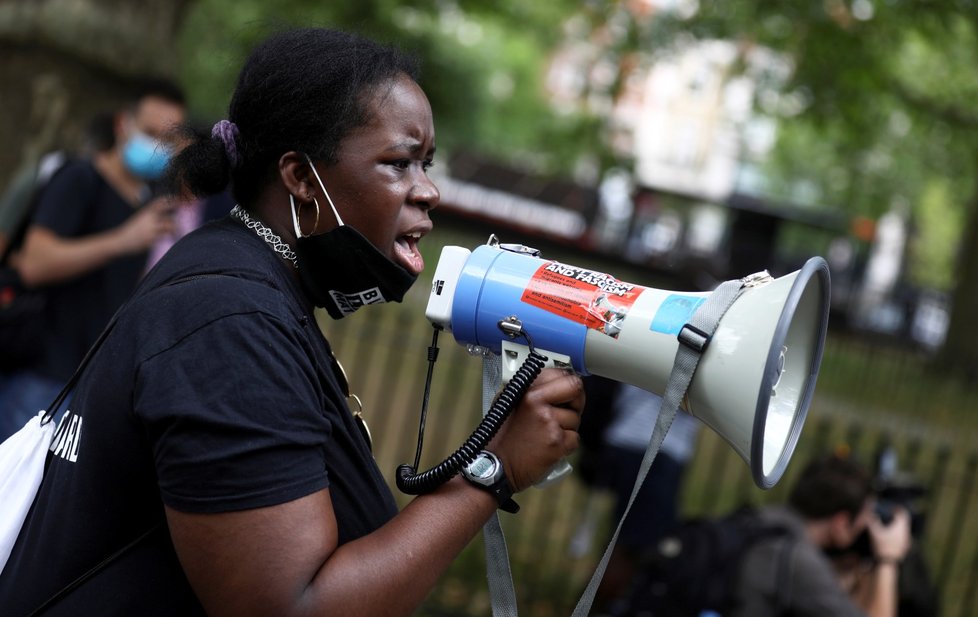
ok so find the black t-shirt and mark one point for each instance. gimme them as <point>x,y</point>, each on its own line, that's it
<point>211,394</point>
<point>79,202</point>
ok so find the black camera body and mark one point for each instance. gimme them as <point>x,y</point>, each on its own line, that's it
<point>901,492</point>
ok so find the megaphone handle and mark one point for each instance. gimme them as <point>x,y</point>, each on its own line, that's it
<point>413,483</point>
<point>557,472</point>
<point>513,355</point>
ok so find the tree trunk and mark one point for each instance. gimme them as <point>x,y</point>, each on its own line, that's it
<point>64,61</point>
<point>960,352</point>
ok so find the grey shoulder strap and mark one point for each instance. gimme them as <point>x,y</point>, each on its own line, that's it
<point>498,572</point>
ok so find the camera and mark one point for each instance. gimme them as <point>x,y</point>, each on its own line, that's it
<point>903,492</point>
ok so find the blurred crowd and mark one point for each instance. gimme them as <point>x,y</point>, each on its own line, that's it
<point>78,230</point>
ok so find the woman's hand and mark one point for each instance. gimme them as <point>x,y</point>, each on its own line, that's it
<point>542,429</point>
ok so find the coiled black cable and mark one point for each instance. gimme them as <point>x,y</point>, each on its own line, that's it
<point>412,483</point>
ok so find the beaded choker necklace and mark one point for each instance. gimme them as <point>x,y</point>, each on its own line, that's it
<point>266,234</point>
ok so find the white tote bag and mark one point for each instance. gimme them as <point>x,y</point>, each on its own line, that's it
<point>23,454</point>
<point>22,458</point>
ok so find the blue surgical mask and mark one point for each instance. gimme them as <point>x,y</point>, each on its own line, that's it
<point>145,157</point>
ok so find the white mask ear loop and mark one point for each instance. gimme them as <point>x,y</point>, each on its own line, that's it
<point>339,220</point>
<point>295,217</point>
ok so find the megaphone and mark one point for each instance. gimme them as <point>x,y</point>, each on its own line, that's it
<point>754,381</point>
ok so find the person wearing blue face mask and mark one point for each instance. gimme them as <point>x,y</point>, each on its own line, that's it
<point>87,243</point>
<point>144,156</point>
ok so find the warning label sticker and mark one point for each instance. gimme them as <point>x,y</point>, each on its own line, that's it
<point>597,300</point>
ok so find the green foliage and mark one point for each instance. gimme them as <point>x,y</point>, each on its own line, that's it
<point>483,65</point>
<point>888,120</point>
<point>882,89</point>
<point>938,220</point>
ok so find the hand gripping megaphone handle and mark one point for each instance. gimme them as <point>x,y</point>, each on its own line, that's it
<point>412,483</point>
<point>513,356</point>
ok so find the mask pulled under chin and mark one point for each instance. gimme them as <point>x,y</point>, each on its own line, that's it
<point>341,271</point>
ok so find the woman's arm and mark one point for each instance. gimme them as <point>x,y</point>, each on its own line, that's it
<point>284,560</point>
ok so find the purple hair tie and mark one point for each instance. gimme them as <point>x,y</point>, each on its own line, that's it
<point>227,132</point>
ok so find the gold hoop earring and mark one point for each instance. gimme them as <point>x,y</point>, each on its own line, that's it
<point>315,225</point>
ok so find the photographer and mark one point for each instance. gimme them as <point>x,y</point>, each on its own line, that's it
<point>918,594</point>
<point>830,505</point>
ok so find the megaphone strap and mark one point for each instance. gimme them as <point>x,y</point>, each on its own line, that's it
<point>704,321</point>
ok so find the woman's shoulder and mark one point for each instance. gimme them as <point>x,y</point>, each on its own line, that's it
<point>216,272</point>
<point>220,254</point>
<point>213,313</point>
<point>212,294</point>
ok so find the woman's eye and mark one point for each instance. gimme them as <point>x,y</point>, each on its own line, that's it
<point>404,164</point>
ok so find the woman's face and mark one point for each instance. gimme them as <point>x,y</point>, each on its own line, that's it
<point>380,184</point>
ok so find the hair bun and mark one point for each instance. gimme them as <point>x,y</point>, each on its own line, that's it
<point>227,132</point>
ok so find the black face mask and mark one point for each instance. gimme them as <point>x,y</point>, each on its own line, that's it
<point>342,271</point>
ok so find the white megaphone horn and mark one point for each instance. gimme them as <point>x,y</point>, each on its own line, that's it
<point>754,381</point>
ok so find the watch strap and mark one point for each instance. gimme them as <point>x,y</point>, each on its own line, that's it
<point>504,495</point>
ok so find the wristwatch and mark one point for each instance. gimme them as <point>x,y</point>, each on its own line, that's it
<point>486,472</point>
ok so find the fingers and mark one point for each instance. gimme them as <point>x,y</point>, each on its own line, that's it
<point>543,429</point>
<point>891,541</point>
<point>569,421</point>
<point>558,387</point>
<point>559,395</point>
<point>159,214</point>
<point>144,227</point>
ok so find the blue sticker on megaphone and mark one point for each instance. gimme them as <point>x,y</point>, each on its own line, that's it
<point>674,313</point>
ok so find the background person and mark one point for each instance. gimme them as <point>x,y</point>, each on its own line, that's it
<point>630,414</point>
<point>210,436</point>
<point>87,242</point>
<point>830,505</point>
<point>189,214</point>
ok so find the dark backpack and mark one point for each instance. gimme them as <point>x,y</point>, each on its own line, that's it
<point>22,309</point>
<point>692,570</point>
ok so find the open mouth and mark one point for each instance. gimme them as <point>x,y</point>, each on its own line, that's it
<point>406,253</point>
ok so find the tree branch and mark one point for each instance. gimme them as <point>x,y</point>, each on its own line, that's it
<point>954,115</point>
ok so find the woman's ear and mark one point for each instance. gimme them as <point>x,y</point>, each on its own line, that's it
<point>293,170</point>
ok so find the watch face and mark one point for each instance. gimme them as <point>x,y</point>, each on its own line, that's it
<point>482,467</point>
